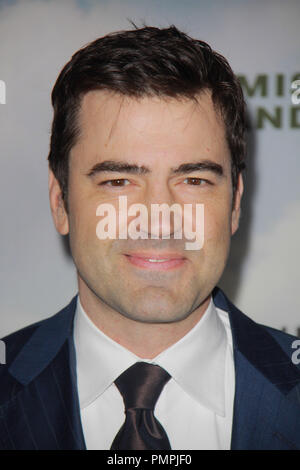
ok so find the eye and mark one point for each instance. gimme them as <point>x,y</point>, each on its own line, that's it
<point>120,182</point>
<point>196,181</point>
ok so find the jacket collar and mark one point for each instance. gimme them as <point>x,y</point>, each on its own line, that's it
<point>44,345</point>
<point>259,347</point>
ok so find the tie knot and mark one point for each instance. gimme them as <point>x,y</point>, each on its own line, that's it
<point>141,385</point>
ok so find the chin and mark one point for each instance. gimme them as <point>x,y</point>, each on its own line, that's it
<point>157,312</point>
<point>155,318</point>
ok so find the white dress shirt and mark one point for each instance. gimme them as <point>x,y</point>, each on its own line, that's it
<point>195,406</point>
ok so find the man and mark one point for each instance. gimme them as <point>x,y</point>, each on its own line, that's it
<point>150,354</point>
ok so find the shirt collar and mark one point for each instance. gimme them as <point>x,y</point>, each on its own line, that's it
<point>196,362</point>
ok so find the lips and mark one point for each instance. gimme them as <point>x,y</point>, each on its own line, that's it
<point>153,261</point>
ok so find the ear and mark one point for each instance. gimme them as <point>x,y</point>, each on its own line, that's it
<point>236,211</point>
<point>59,213</point>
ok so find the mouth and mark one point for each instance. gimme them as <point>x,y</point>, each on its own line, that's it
<point>155,262</point>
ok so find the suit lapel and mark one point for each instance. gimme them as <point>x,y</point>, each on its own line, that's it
<point>44,413</point>
<point>264,415</point>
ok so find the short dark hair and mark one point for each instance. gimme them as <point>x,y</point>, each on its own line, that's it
<point>145,62</point>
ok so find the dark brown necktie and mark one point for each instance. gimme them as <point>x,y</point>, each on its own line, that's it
<point>140,387</point>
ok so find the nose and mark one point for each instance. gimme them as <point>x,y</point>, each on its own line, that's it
<point>163,211</point>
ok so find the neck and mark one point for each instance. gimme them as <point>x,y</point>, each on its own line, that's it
<point>145,340</point>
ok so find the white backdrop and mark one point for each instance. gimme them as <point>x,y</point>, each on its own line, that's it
<point>260,38</point>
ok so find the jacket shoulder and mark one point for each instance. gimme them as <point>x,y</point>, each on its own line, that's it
<point>15,343</point>
<point>267,348</point>
<point>16,340</point>
<point>289,343</point>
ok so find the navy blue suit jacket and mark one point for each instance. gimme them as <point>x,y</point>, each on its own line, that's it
<point>39,406</point>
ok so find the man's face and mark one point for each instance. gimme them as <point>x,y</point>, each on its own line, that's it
<point>149,280</point>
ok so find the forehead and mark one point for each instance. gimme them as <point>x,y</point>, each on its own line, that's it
<point>144,130</point>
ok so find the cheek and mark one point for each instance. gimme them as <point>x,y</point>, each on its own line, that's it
<point>217,227</point>
<point>83,223</point>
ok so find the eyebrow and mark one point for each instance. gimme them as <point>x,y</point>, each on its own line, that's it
<point>118,167</point>
<point>123,167</point>
<point>205,165</point>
